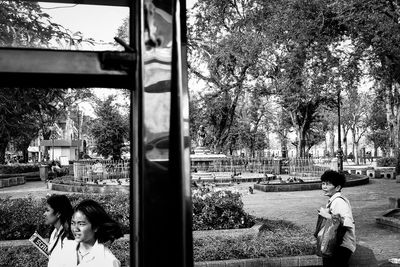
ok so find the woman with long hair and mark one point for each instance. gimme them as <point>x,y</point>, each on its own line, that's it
<point>91,227</point>
<point>58,214</point>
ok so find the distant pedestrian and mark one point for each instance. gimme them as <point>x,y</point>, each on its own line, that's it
<point>338,207</point>
<point>58,214</point>
<point>91,227</point>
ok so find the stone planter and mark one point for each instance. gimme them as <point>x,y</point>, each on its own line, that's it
<point>12,181</point>
<point>44,172</point>
<point>4,183</point>
<point>390,220</point>
<point>20,180</point>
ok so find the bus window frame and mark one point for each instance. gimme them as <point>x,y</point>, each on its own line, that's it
<point>72,69</point>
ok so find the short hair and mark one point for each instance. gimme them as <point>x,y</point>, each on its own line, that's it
<point>107,228</point>
<point>334,178</point>
<point>61,204</point>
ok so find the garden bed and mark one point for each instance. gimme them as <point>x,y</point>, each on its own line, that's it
<point>351,180</point>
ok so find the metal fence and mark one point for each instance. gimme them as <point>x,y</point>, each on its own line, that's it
<point>95,170</point>
<point>305,168</point>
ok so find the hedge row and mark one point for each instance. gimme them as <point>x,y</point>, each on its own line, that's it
<point>386,162</point>
<point>212,210</point>
<point>274,239</point>
<point>19,168</point>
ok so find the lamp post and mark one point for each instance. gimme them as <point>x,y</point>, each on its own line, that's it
<point>340,152</point>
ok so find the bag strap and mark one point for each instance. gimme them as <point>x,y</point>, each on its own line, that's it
<point>55,243</point>
<point>330,203</point>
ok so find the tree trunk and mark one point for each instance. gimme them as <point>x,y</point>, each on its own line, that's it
<point>375,150</point>
<point>356,156</point>
<point>301,144</point>
<point>283,145</point>
<point>345,152</point>
<point>25,152</point>
<point>3,147</point>
<point>332,143</point>
<point>393,118</point>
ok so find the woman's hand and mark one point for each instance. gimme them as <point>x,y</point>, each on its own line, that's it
<point>324,212</point>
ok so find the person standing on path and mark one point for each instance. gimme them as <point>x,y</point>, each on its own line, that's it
<point>58,214</point>
<point>332,184</point>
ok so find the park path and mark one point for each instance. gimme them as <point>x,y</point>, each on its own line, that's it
<point>368,202</point>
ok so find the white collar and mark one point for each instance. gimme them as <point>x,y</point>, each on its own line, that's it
<point>94,251</point>
<point>336,195</point>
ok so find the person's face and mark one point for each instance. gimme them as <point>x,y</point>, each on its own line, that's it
<point>50,217</point>
<point>329,189</point>
<point>82,228</point>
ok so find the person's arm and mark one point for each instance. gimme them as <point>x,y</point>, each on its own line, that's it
<point>341,207</point>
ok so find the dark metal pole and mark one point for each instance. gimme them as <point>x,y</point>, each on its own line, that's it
<point>52,143</point>
<point>340,152</point>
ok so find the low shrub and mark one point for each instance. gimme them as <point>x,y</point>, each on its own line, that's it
<point>19,168</point>
<point>386,162</point>
<point>219,209</point>
<point>20,218</point>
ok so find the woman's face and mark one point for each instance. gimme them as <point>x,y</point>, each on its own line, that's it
<point>329,189</point>
<point>50,217</point>
<point>82,228</point>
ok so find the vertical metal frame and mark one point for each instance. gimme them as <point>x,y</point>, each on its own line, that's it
<point>136,134</point>
<point>160,200</point>
<point>161,193</point>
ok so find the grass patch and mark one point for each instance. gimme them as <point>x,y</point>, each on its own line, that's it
<point>274,239</point>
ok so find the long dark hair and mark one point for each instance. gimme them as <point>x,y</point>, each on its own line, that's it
<point>61,204</point>
<point>107,228</point>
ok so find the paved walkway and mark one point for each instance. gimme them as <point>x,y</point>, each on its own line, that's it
<point>368,202</point>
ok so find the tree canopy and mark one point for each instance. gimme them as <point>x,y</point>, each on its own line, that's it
<point>305,53</point>
<point>110,129</point>
<point>23,111</point>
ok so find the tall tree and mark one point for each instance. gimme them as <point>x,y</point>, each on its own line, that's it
<point>224,52</point>
<point>373,26</point>
<point>378,132</point>
<point>110,129</point>
<point>21,111</point>
<point>24,24</point>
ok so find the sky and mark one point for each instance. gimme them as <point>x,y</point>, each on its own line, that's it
<point>97,22</point>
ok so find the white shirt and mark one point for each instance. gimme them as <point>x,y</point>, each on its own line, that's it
<point>341,205</point>
<point>98,256</point>
<point>55,245</point>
